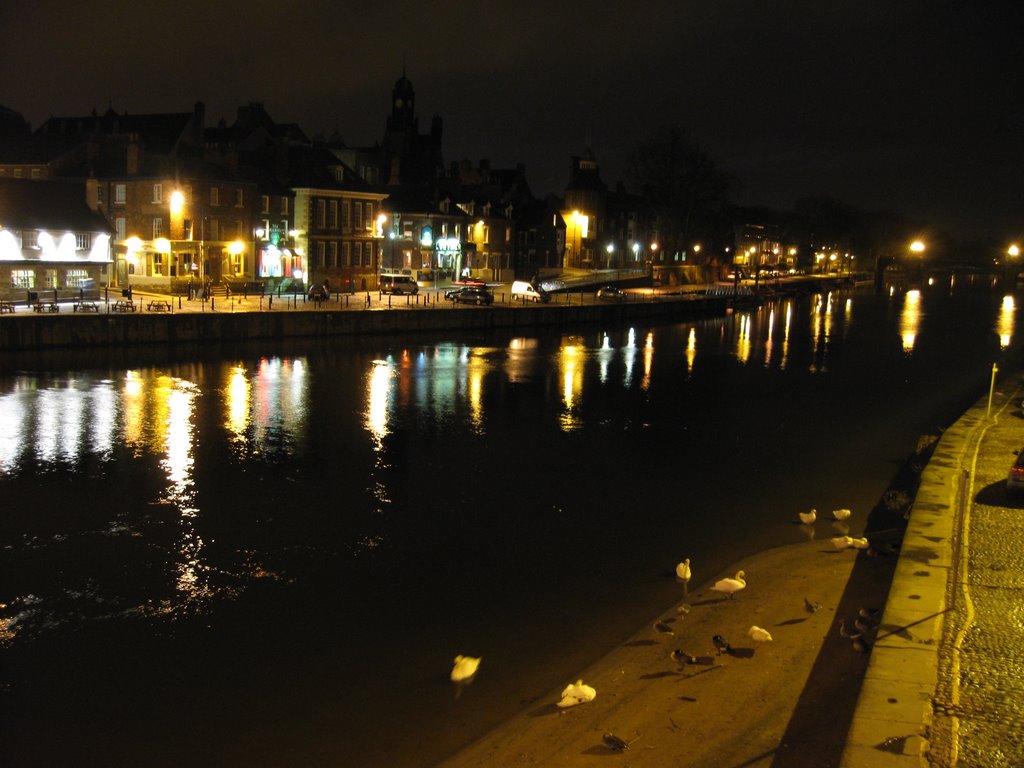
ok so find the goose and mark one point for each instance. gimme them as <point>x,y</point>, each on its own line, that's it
<point>759,634</point>
<point>808,518</point>
<point>464,669</point>
<point>845,632</point>
<point>576,693</point>
<point>841,514</point>
<point>842,542</point>
<point>861,543</point>
<point>731,586</point>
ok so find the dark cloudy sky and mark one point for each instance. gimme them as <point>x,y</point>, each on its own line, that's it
<point>914,106</point>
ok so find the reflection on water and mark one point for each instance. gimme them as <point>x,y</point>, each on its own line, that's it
<point>571,363</point>
<point>1004,325</point>
<point>910,318</point>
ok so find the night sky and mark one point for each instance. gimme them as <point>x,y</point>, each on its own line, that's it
<point>914,106</point>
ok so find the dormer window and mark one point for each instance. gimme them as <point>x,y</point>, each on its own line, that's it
<point>445,205</point>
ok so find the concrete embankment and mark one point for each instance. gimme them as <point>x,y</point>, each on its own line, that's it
<point>38,332</point>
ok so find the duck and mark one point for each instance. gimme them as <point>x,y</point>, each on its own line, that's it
<point>683,571</point>
<point>731,586</point>
<point>759,634</point>
<point>808,518</point>
<point>576,693</point>
<point>841,514</point>
<point>464,669</point>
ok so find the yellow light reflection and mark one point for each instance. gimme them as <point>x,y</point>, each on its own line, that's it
<point>645,383</point>
<point>477,368</point>
<point>378,390</point>
<point>604,357</point>
<point>910,319</point>
<point>571,361</point>
<point>629,355</point>
<point>691,349</point>
<point>239,402</point>
<point>785,335</point>
<point>743,339</point>
<point>769,342</point>
<point>1004,327</point>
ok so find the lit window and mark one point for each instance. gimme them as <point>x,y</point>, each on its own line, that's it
<point>73,277</point>
<point>23,278</point>
<point>35,173</point>
<point>158,193</point>
<point>158,227</point>
<point>120,194</point>
<point>83,242</point>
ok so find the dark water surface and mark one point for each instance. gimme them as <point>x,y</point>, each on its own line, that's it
<point>270,557</point>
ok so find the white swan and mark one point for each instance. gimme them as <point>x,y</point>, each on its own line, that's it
<point>577,693</point>
<point>759,634</point>
<point>808,518</point>
<point>842,542</point>
<point>861,543</point>
<point>465,667</point>
<point>731,586</point>
<point>683,571</point>
<point>841,514</point>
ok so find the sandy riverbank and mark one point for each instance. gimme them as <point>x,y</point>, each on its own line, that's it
<point>785,703</point>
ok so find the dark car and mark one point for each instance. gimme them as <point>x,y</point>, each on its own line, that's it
<point>471,294</point>
<point>318,293</point>
<point>611,293</point>
<point>1015,479</point>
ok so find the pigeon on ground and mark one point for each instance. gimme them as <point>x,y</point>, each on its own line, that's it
<point>662,628</point>
<point>811,607</point>
<point>682,657</point>
<point>721,645</point>
<point>615,743</point>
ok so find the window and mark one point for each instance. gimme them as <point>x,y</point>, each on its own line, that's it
<point>23,278</point>
<point>487,234</point>
<point>369,215</point>
<point>358,223</point>
<point>407,230</point>
<point>35,173</point>
<point>239,198</point>
<point>346,254</point>
<point>346,214</point>
<point>99,194</point>
<point>321,213</point>
<point>358,258</point>
<point>30,238</point>
<point>120,194</point>
<point>284,205</point>
<point>333,254</point>
<point>214,196</point>
<point>119,228</point>
<point>18,173</point>
<point>215,229</point>
<point>334,214</point>
<point>158,227</point>
<point>508,234</point>
<point>285,232</point>
<point>83,242</point>
<point>73,277</point>
<point>158,193</point>
<point>321,253</point>
<point>445,205</point>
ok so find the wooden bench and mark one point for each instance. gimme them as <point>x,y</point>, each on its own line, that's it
<point>45,306</point>
<point>86,306</point>
<point>122,305</point>
<point>159,306</point>
<point>6,306</point>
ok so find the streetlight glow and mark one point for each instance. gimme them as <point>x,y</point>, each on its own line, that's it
<point>917,246</point>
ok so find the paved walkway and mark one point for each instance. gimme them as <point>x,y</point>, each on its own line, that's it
<point>945,685</point>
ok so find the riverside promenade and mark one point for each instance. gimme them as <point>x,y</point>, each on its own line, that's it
<point>945,683</point>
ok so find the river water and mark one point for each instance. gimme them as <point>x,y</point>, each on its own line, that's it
<point>270,557</point>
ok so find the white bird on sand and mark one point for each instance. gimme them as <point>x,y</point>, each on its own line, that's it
<point>464,669</point>
<point>808,518</point>
<point>577,693</point>
<point>731,586</point>
<point>842,542</point>
<point>683,571</point>
<point>861,543</point>
<point>759,634</point>
<point>841,514</point>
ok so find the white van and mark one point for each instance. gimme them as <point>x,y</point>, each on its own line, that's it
<point>398,284</point>
<point>523,291</point>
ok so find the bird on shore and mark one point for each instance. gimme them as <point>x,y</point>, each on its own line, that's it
<point>759,634</point>
<point>464,669</point>
<point>808,518</point>
<point>730,586</point>
<point>682,609</point>
<point>842,542</point>
<point>663,629</point>
<point>841,514</point>
<point>844,631</point>
<point>721,645</point>
<point>576,693</point>
<point>811,606</point>
<point>861,543</point>
<point>679,656</point>
<point>871,614</point>
<point>616,743</point>
<point>683,575</point>
<point>860,645</point>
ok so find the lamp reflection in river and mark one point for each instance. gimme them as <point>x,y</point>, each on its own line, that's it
<point>910,318</point>
<point>378,390</point>
<point>691,349</point>
<point>571,361</point>
<point>648,360</point>
<point>604,356</point>
<point>743,339</point>
<point>629,357</point>
<point>1004,327</point>
<point>239,403</point>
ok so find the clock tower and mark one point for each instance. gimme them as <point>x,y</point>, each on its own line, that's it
<point>403,105</point>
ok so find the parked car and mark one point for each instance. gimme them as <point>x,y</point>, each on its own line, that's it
<point>611,293</point>
<point>318,293</point>
<point>1015,480</point>
<point>525,291</point>
<point>470,294</point>
<point>470,280</point>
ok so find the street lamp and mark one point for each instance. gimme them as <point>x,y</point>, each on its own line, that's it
<point>610,248</point>
<point>636,251</point>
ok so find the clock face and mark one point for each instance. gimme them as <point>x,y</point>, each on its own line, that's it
<point>398,103</point>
